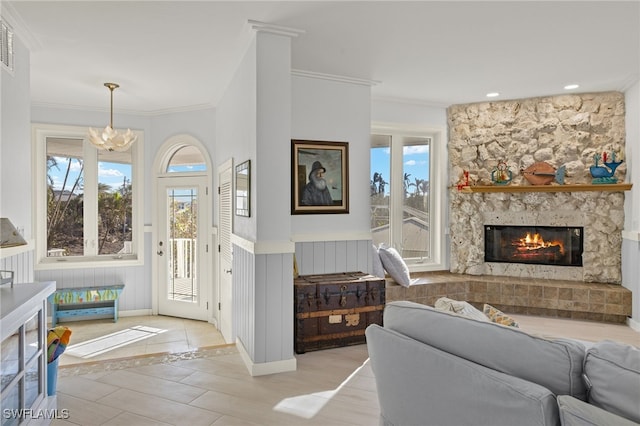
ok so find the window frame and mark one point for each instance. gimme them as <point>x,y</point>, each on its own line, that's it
<point>40,133</point>
<point>437,187</point>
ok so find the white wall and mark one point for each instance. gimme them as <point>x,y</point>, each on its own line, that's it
<point>632,123</point>
<point>631,232</point>
<point>273,120</point>
<point>328,110</point>
<point>15,142</point>
<point>236,132</point>
<point>254,123</point>
<point>414,114</point>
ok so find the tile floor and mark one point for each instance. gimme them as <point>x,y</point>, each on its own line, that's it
<point>99,340</point>
<point>209,385</point>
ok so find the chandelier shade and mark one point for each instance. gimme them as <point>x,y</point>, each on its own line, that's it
<point>110,139</point>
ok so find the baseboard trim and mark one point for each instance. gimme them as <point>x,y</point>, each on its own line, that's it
<point>635,325</point>
<point>264,368</point>
<point>135,313</point>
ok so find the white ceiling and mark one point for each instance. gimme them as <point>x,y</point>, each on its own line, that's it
<point>175,55</point>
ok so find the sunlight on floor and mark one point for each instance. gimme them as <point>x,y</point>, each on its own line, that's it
<point>307,406</point>
<point>103,344</point>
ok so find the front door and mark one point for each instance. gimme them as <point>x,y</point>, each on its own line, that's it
<point>182,247</point>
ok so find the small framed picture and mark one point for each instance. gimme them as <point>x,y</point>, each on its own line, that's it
<point>319,177</point>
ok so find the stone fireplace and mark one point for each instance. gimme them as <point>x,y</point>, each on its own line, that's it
<point>561,131</point>
<point>564,131</point>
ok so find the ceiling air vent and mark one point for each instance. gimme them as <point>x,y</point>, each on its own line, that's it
<point>6,45</point>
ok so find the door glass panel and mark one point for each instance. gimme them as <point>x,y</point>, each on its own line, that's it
<point>183,232</point>
<point>65,189</point>
<point>32,341</point>
<point>10,359</point>
<point>380,188</point>
<point>32,384</point>
<point>415,216</point>
<point>114,202</point>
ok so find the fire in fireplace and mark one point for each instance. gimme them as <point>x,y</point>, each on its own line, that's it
<point>542,245</point>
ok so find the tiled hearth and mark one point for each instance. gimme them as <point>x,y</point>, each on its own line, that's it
<point>553,298</point>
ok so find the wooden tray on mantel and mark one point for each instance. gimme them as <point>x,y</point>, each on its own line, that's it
<point>545,188</point>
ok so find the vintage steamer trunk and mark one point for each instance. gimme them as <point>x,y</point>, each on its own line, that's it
<point>334,310</point>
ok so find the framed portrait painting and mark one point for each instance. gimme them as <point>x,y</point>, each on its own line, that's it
<point>319,177</point>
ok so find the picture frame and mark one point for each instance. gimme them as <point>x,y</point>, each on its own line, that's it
<point>243,189</point>
<point>319,161</point>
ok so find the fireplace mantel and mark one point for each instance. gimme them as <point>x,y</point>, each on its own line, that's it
<point>546,188</point>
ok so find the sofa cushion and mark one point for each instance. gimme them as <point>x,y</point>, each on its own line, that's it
<point>555,364</point>
<point>613,372</point>
<point>499,317</point>
<point>459,307</point>
<point>574,412</point>
<point>395,265</point>
<point>421,385</point>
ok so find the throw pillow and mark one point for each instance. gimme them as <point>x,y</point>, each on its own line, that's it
<point>574,412</point>
<point>462,308</point>
<point>376,264</point>
<point>497,316</point>
<point>394,264</point>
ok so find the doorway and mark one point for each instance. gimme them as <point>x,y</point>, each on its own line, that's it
<point>183,284</point>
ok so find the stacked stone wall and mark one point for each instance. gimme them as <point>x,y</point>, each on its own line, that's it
<point>559,130</point>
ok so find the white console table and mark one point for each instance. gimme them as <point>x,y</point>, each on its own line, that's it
<point>23,366</point>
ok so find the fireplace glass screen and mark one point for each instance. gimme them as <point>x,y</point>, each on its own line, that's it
<point>542,245</point>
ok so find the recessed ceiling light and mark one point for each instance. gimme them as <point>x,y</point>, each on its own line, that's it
<point>571,86</point>
<point>493,94</point>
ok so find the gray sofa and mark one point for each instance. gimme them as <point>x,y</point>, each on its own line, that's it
<point>439,368</point>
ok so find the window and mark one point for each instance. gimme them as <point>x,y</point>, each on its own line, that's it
<point>406,194</point>
<point>6,46</point>
<point>88,203</point>
<point>187,159</point>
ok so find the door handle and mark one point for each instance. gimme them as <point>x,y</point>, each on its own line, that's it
<point>228,271</point>
<point>159,252</point>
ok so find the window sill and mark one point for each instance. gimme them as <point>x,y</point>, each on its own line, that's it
<point>90,262</point>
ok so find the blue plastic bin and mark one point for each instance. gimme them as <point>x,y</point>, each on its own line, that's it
<point>52,377</point>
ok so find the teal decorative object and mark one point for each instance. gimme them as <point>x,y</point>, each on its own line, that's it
<point>604,174</point>
<point>501,175</point>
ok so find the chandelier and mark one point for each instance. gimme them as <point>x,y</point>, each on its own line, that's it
<point>110,139</point>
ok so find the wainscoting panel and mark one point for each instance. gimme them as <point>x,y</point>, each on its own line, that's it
<point>22,266</point>
<point>263,304</point>
<point>274,307</point>
<point>137,288</point>
<point>243,296</point>
<point>325,257</point>
<point>135,295</point>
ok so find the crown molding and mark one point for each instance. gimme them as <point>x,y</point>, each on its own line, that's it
<point>264,27</point>
<point>331,236</point>
<point>411,101</point>
<point>152,113</point>
<point>20,28</point>
<point>333,77</point>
